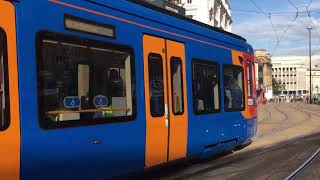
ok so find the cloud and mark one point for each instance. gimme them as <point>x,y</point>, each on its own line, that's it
<point>294,36</point>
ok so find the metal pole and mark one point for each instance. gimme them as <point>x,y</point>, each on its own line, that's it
<point>310,79</point>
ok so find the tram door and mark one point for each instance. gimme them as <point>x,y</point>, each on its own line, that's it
<point>165,100</point>
<point>9,95</point>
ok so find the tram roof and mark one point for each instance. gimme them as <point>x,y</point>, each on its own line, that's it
<point>162,10</point>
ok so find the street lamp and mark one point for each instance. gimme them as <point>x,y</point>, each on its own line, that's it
<point>310,28</point>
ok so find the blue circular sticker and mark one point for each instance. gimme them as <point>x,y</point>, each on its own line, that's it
<point>72,102</point>
<point>100,101</point>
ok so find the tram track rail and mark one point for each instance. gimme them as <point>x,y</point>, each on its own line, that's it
<point>267,117</point>
<point>307,110</point>
<point>285,118</point>
<point>283,125</point>
<point>221,161</point>
<point>242,158</point>
<point>304,165</point>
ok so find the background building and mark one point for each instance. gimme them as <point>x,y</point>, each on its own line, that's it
<point>315,80</point>
<point>263,69</point>
<point>169,5</point>
<point>292,74</point>
<point>216,13</point>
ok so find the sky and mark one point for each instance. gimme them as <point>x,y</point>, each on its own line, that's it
<point>292,33</point>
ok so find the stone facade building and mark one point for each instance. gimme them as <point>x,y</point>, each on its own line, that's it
<point>315,80</point>
<point>216,13</point>
<point>263,69</point>
<point>292,74</point>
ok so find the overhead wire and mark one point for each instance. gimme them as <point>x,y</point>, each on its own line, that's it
<point>309,3</point>
<point>285,32</point>
<point>315,28</point>
<point>293,4</point>
<point>268,15</point>
<point>317,33</point>
<point>287,28</point>
<point>269,18</point>
<point>276,13</point>
<point>280,38</point>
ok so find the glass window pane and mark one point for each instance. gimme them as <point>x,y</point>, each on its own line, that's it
<point>233,88</point>
<point>177,85</point>
<point>156,86</point>
<point>249,72</point>
<point>205,82</point>
<point>4,85</point>
<point>79,81</point>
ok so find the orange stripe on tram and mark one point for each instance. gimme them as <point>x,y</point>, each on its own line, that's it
<point>235,61</point>
<point>134,23</point>
<point>10,138</point>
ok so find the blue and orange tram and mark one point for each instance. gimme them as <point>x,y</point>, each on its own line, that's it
<point>94,89</point>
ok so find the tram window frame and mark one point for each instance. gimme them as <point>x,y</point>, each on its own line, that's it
<point>250,78</point>
<point>79,40</point>
<point>217,70</point>
<point>5,123</point>
<point>243,88</point>
<point>159,57</point>
<point>178,59</point>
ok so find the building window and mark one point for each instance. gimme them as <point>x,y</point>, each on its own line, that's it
<point>177,85</point>
<point>205,85</point>
<point>4,83</point>
<point>233,88</point>
<point>190,16</point>
<point>83,82</point>
<point>189,1</point>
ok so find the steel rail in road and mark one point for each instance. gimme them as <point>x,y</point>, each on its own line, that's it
<point>237,159</point>
<point>303,166</point>
<point>283,126</point>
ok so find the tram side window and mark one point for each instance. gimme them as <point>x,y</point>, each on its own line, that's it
<point>205,85</point>
<point>86,82</point>
<point>177,85</point>
<point>250,80</point>
<point>233,88</point>
<point>4,84</point>
<point>156,87</point>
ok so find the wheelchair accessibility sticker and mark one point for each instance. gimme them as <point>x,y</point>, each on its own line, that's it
<point>72,102</point>
<point>100,101</point>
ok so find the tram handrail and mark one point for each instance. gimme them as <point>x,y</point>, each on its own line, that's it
<point>85,111</point>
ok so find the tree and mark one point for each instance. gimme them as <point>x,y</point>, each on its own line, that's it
<point>277,86</point>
